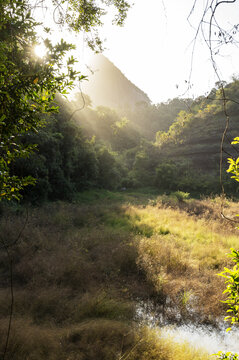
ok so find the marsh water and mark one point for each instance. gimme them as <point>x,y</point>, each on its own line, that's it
<point>210,338</point>
<point>204,337</point>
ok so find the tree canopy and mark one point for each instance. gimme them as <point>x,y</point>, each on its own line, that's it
<point>28,84</point>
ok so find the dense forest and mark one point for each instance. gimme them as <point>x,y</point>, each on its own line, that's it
<point>170,146</point>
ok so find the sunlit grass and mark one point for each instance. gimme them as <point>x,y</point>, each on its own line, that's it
<point>151,345</point>
<point>200,237</point>
<point>81,268</point>
<point>178,251</point>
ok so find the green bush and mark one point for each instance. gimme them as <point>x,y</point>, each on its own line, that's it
<point>180,195</point>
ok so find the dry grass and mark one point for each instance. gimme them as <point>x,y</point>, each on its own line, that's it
<point>95,339</point>
<point>28,342</point>
<point>150,345</point>
<point>79,272</point>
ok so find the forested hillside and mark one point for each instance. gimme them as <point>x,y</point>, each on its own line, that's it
<point>193,141</point>
<point>83,148</point>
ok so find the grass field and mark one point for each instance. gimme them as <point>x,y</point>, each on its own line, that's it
<point>81,269</point>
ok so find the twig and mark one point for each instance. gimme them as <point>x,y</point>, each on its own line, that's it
<point>82,107</point>
<point>7,248</point>
<point>12,300</point>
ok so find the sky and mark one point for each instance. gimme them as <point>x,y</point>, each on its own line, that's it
<point>154,48</point>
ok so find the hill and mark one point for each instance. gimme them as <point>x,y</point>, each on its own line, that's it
<point>194,139</point>
<point>108,86</point>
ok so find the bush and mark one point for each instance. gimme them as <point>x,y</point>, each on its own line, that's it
<point>180,195</point>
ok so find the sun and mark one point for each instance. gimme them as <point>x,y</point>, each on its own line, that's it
<point>40,50</point>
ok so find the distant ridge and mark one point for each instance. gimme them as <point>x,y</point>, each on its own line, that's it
<point>108,86</point>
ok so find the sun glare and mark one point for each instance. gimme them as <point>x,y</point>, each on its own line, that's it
<point>40,50</point>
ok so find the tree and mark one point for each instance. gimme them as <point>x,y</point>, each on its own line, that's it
<point>27,88</point>
<point>28,85</point>
<point>86,16</point>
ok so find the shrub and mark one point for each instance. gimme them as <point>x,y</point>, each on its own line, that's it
<point>180,195</point>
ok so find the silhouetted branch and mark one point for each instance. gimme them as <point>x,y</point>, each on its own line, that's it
<point>80,108</point>
<point>225,38</point>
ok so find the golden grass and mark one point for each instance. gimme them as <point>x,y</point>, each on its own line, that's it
<point>205,241</point>
<point>150,345</point>
<point>79,271</point>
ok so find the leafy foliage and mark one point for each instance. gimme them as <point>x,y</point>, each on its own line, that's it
<point>226,356</point>
<point>28,85</point>
<point>232,275</point>
<point>86,15</point>
<point>232,290</point>
<point>98,148</point>
<point>234,164</point>
<point>27,88</point>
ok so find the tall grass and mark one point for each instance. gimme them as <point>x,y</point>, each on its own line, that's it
<point>80,269</point>
<point>95,339</point>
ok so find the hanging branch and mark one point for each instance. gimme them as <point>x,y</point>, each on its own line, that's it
<point>225,37</point>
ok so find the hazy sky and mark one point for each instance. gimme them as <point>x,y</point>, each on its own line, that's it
<point>154,48</point>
